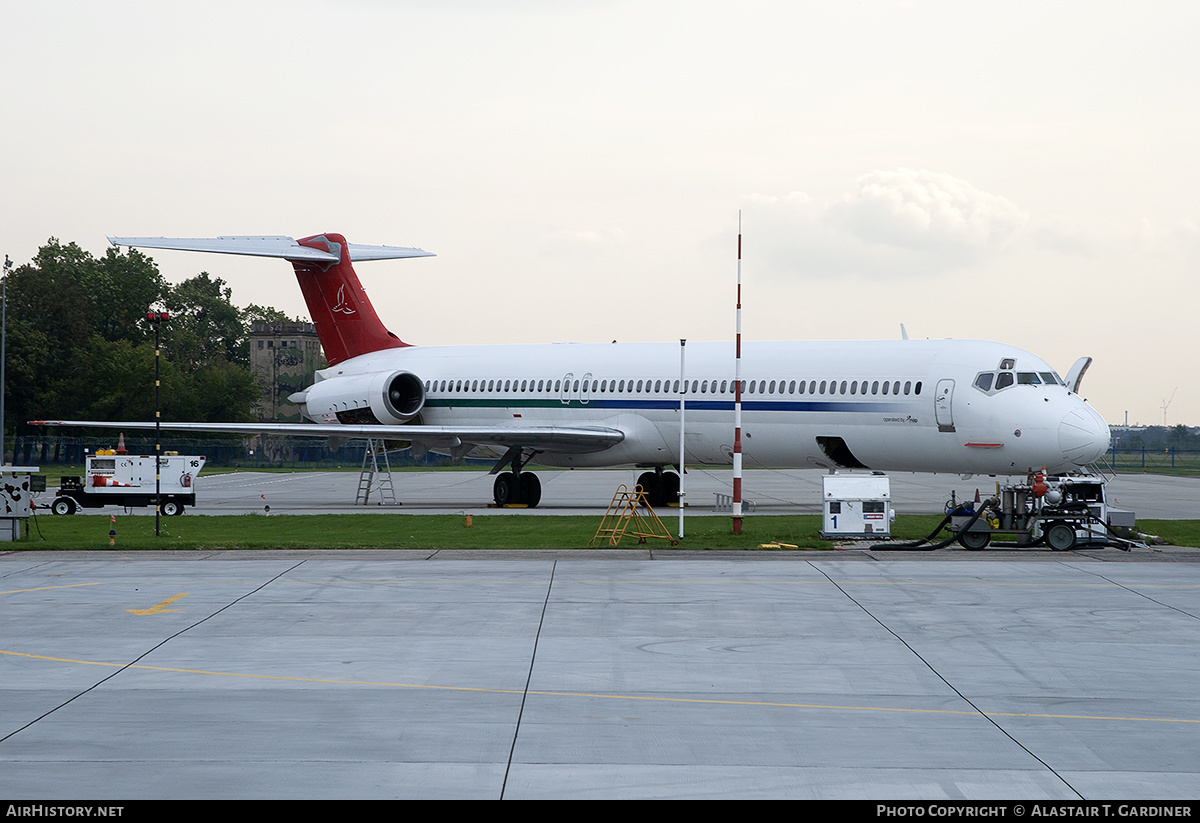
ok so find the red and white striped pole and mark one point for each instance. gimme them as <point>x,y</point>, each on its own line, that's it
<point>737,397</point>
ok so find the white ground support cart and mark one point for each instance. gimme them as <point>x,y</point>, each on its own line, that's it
<point>856,505</point>
<point>128,480</point>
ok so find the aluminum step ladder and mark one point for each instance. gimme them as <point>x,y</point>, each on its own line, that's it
<point>376,449</point>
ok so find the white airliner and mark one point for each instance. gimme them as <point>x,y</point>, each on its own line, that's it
<point>956,406</point>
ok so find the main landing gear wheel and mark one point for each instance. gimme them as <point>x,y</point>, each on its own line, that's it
<point>63,505</point>
<point>661,488</point>
<point>1060,537</point>
<point>670,490</point>
<point>975,540</point>
<point>652,486</point>
<point>504,490</point>
<point>510,488</point>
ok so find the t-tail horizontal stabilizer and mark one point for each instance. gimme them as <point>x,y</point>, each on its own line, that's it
<point>269,246</point>
<point>345,320</point>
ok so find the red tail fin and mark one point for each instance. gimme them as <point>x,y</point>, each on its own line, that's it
<point>345,319</point>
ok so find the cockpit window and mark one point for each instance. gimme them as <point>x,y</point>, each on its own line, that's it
<point>992,382</point>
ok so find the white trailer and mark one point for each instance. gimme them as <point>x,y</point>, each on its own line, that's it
<point>128,480</point>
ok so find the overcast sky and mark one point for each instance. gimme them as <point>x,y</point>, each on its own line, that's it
<point>1020,171</point>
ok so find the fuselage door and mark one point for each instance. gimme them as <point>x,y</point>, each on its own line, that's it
<point>942,405</point>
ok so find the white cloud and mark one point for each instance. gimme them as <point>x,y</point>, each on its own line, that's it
<point>1065,237</point>
<point>1158,240</point>
<point>926,210</point>
<point>893,224</point>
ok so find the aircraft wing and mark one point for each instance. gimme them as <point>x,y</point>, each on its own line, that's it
<point>268,246</point>
<point>560,439</point>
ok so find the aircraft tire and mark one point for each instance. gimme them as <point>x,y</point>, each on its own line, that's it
<point>1060,537</point>
<point>652,485</point>
<point>531,490</point>
<point>670,488</point>
<point>505,489</point>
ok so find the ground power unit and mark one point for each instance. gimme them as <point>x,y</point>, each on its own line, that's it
<point>856,505</point>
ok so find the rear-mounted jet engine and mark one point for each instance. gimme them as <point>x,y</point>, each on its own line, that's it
<point>364,399</point>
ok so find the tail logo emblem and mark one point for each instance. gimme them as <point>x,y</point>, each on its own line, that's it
<point>342,306</point>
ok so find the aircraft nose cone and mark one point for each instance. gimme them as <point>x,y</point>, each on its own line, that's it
<point>1082,435</point>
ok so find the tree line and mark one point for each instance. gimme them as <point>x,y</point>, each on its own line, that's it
<point>1157,437</point>
<point>79,345</point>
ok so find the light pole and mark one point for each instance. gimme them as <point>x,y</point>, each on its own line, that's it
<point>3,340</point>
<point>156,317</point>
<point>682,409</point>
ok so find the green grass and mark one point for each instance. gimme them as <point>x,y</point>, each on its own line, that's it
<point>436,532</point>
<point>397,531</point>
<point>1175,532</point>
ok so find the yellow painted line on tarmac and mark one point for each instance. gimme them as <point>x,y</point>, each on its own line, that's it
<point>601,696</point>
<point>158,608</point>
<point>51,588</point>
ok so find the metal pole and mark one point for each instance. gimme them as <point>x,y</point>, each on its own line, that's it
<point>156,317</point>
<point>157,419</point>
<point>737,396</point>
<point>682,405</point>
<point>3,351</point>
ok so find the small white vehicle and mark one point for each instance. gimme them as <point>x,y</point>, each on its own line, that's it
<point>128,480</point>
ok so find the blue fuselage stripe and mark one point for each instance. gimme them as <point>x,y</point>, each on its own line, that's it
<point>836,406</point>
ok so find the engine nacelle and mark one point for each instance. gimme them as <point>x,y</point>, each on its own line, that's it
<point>377,397</point>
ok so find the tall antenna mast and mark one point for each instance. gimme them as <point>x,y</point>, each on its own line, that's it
<point>737,396</point>
<point>1167,403</point>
